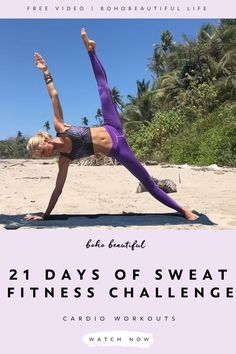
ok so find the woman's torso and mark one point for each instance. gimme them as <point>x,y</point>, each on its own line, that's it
<point>86,141</point>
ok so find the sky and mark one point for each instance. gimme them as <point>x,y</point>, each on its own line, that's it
<point>123,46</point>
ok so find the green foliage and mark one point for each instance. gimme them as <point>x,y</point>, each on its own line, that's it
<point>210,140</point>
<point>209,59</point>
<point>146,140</point>
<point>197,101</point>
<point>188,114</point>
<point>170,138</point>
<point>14,148</point>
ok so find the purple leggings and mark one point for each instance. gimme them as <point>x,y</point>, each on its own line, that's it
<point>120,149</point>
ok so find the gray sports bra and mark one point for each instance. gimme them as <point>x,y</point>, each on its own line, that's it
<point>81,139</point>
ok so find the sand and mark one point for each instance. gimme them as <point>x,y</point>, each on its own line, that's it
<point>105,197</point>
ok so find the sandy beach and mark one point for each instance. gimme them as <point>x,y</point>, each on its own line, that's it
<point>105,197</point>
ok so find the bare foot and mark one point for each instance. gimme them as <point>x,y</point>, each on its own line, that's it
<point>188,214</point>
<point>89,44</point>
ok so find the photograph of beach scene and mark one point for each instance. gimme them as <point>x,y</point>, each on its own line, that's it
<point>174,85</point>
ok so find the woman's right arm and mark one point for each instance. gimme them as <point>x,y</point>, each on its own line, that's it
<point>63,165</point>
<point>53,94</point>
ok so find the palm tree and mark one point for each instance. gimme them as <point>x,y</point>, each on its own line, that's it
<point>186,65</point>
<point>225,37</point>
<point>166,41</point>
<point>157,65</point>
<point>143,87</point>
<point>117,98</point>
<point>158,61</point>
<point>228,22</point>
<point>168,87</point>
<point>99,116</point>
<point>19,135</point>
<point>140,107</point>
<point>46,126</point>
<point>85,121</point>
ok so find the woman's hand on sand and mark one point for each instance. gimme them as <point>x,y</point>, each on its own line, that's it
<point>30,217</point>
<point>40,62</point>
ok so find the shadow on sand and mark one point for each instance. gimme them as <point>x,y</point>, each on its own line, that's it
<point>12,222</point>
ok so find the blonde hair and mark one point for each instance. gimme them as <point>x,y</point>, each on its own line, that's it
<point>35,143</point>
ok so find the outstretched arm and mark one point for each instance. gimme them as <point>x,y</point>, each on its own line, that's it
<point>58,114</point>
<point>63,165</point>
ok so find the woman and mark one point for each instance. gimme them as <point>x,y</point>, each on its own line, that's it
<point>77,142</point>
